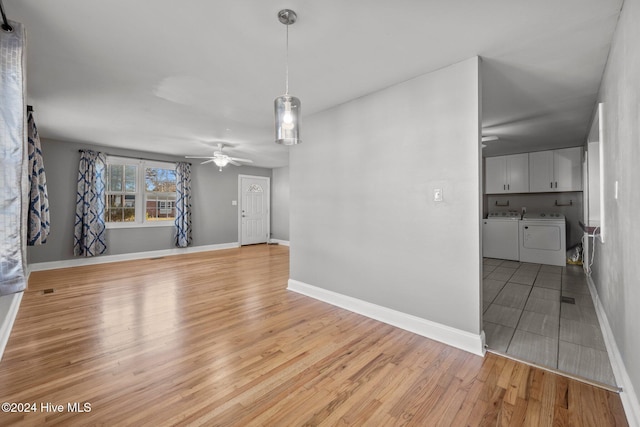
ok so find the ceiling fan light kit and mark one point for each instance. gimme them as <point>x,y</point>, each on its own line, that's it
<point>221,162</point>
<point>287,107</point>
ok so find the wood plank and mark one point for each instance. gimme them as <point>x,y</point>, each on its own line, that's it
<point>216,339</point>
<point>513,415</point>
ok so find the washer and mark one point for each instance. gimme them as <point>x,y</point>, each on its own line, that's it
<point>500,235</point>
<point>543,238</point>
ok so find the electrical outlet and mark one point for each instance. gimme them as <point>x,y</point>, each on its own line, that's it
<point>437,194</point>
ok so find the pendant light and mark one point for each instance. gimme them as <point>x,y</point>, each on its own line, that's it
<point>287,107</point>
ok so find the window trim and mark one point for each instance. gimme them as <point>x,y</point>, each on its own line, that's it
<point>140,220</point>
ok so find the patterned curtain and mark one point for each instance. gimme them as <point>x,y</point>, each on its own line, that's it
<point>38,226</point>
<point>13,176</point>
<point>183,205</point>
<point>89,235</point>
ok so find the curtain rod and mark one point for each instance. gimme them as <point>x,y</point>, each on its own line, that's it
<point>135,158</point>
<point>5,22</point>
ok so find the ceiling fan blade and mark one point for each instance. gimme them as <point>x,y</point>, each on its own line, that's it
<point>234,163</point>
<point>490,138</point>
<point>241,160</point>
<point>195,157</point>
<point>207,161</point>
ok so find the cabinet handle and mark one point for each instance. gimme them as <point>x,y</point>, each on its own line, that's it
<point>504,186</point>
<point>551,185</point>
<point>508,186</point>
<point>556,184</point>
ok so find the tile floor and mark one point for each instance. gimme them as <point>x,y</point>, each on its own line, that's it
<point>525,317</point>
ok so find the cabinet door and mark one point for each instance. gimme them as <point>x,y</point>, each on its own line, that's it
<point>541,171</point>
<point>567,169</point>
<point>495,175</point>
<point>518,173</point>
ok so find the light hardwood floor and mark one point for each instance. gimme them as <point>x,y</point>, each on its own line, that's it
<point>216,339</point>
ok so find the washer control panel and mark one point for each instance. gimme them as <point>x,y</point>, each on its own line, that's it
<point>504,214</point>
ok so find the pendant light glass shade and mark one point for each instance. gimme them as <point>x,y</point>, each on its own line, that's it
<point>287,107</point>
<point>287,114</point>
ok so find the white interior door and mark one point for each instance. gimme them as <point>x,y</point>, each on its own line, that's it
<point>254,217</point>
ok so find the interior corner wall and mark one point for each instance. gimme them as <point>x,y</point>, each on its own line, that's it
<point>616,270</point>
<point>214,218</point>
<point>280,203</point>
<point>363,222</point>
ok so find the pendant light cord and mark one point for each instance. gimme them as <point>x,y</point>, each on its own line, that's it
<point>286,83</point>
<point>5,22</point>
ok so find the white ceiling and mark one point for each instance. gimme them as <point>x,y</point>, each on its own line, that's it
<point>179,77</point>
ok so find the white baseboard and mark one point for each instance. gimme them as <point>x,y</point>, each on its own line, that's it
<point>280,242</point>
<point>628,395</point>
<point>104,259</point>
<point>451,336</point>
<point>11,304</point>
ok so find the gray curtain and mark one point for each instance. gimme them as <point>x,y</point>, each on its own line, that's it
<point>183,205</point>
<point>38,228</point>
<point>13,178</point>
<point>89,232</point>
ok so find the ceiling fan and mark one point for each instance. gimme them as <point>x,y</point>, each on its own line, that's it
<point>220,159</point>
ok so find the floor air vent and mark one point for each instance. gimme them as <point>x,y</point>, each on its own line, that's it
<point>158,257</point>
<point>48,291</point>
<point>568,300</point>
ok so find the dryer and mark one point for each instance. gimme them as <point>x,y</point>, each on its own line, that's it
<point>543,238</point>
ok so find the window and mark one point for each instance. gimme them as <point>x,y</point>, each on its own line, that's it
<point>121,192</point>
<point>140,193</point>
<point>160,194</point>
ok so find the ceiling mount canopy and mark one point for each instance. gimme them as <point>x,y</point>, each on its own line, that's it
<point>287,16</point>
<point>287,107</point>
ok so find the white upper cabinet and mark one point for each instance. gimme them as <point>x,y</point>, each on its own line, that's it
<point>495,173</point>
<point>556,170</point>
<point>518,173</point>
<point>541,171</point>
<point>567,169</point>
<point>507,174</point>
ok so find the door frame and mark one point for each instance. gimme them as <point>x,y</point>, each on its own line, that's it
<point>239,207</point>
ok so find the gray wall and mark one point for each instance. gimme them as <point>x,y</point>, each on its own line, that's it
<point>617,261</point>
<point>214,219</point>
<point>363,222</point>
<point>280,203</point>
<point>544,202</point>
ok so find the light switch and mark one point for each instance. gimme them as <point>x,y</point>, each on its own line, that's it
<point>234,203</point>
<point>437,194</point>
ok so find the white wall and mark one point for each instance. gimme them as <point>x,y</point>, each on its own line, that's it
<point>617,261</point>
<point>280,203</point>
<point>363,223</point>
